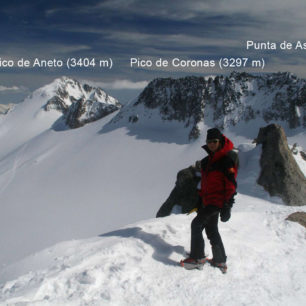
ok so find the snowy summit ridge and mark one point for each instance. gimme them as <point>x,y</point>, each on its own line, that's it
<point>80,104</point>
<point>223,101</point>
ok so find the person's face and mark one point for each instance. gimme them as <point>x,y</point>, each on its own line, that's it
<point>213,144</point>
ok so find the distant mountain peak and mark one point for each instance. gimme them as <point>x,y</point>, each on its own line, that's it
<point>79,104</point>
<point>222,101</point>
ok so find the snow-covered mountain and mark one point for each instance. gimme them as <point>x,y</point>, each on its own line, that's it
<point>67,91</point>
<point>59,184</point>
<point>64,103</point>
<point>80,104</point>
<point>232,102</point>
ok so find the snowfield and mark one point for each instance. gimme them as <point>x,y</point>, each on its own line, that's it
<point>138,265</point>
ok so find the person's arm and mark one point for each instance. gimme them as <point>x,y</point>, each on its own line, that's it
<point>230,190</point>
<point>230,181</point>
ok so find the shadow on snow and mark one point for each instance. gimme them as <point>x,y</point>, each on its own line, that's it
<point>162,249</point>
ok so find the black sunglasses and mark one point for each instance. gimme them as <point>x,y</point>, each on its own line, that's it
<point>213,141</point>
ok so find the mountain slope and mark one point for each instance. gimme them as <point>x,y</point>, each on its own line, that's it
<point>78,183</point>
<point>138,265</point>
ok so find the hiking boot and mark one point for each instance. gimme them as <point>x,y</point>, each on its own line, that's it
<point>204,259</point>
<point>190,263</point>
<point>221,265</point>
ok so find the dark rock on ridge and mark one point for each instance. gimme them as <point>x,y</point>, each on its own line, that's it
<point>226,100</point>
<point>84,111</point>
<point>280,175</point>
<point>184,193</point>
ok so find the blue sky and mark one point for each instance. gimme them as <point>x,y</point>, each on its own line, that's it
<point>121,29</point>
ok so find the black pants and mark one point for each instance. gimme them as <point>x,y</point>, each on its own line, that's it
<point>207,218</point>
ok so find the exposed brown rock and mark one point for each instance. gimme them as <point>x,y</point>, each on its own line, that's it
<point>299,217</point>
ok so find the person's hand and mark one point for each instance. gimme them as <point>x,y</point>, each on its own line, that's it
<point>225,213</point>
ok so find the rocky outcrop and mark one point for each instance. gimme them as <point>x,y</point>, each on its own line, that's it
<point>280,175</point>
<point>56,103</point>
<point>84,111</point>
<point>5,108</point>
<point>177,99</point>
<point>299,217</point>
<point>184,193</point>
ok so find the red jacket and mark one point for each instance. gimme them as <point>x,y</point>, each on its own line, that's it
<point>219,172</point>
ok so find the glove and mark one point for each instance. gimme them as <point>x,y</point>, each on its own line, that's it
<point>225,214</point>
<point>193,210</point>
<point>230,202</point>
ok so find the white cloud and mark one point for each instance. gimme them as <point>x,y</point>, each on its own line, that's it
<point>126,84</point>
<point>119,84</point>
<point>13,88</point>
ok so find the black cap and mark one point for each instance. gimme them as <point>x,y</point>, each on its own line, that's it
<point>213,134</point>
